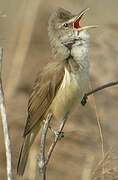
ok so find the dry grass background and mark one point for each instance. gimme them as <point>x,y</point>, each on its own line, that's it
<point>23,34</point>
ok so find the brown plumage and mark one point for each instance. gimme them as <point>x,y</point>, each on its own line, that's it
<point>62,83</point>
<point>44,91</point>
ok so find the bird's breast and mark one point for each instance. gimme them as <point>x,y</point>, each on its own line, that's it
<point>68,94</point>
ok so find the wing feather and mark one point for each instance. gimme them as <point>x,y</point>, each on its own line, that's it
<point>44,91</point>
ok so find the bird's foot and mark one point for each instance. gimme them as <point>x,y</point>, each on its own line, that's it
<point>56,133</point>
<point>59,134</point>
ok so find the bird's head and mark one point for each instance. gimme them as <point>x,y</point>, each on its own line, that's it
<point>65,29</point>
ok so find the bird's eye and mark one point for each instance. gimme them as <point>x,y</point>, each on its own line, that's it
<point>66,25</point>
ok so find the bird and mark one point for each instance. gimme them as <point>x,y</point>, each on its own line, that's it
<point>61,84</point>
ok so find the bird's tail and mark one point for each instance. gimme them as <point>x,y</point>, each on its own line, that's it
<point>25,149</point>
<point>24,155</point>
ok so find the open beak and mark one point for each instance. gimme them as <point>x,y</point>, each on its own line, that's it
<point>76,21</point>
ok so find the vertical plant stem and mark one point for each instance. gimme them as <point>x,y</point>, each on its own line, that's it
<point>57,137</point>
<point>5,125</point>
<point>42,159</point>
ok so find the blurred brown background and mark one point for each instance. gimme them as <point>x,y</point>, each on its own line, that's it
<point>23,35</point>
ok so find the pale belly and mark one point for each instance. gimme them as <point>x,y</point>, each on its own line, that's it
<point>67,97</point>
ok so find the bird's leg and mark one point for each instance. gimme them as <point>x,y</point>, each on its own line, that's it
<point>55,132</point>
<point>59,134</point>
